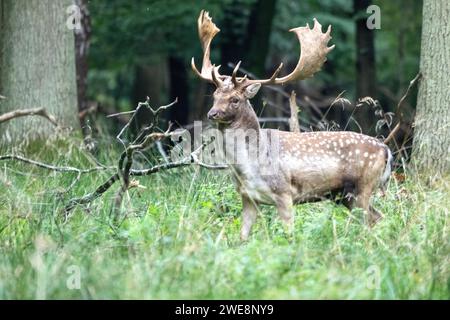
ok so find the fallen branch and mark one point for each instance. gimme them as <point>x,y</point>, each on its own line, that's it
<point>144,139</point>
<point>28,112</point>
<point>52,167</point>
<point>191,159</point>
<point>55,168</point>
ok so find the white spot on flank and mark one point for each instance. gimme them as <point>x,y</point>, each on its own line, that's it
<point>366,154</point>
<point>357,151</point>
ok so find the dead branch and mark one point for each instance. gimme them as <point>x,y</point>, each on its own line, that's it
<point>51,167</point>
<point>55,168</point>
<point>90,110</point>
<point>145,138</point>
<point>294,125</point>
<point>28,112</point>
<point>399,106</point>
<point>189,160</point>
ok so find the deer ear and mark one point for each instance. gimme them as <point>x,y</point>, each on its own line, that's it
<point>251,90</point>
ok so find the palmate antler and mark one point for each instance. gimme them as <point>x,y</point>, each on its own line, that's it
<point>313,52</point>
<point>206,32</point>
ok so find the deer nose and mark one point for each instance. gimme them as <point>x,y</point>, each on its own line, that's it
<point>212,114</point>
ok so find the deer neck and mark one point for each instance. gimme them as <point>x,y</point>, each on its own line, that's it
<point>247,130</point>
<point>245,120</point>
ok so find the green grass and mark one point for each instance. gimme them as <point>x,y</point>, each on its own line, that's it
<point>180,240</point>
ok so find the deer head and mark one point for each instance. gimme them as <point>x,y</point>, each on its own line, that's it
<point>231,98</point>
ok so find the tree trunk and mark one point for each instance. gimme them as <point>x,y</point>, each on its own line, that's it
<point>37,66</point>
<point>150,81</point>
<point>365,66</point>
<point>179,87</point>
<point>258,36</point>
<point>431,147</point>
<point>82,36</point>
<point>233,33</point>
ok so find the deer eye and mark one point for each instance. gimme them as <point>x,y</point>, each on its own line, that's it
<point>234,100</point>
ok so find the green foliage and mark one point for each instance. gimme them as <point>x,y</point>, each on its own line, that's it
<point>126,34</point>
<point>181,240</point>
<point>398,43</point>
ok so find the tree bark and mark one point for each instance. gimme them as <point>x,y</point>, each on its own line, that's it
<point>258,36</point>
<point>233,33</point>
<point>365,66</point>
<point>82,37</point>
<point>431,146</point>
<point>37,66</point>
<point>179,87</point>
<point>150,81</point>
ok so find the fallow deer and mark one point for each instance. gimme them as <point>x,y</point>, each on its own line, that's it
<point>312,166</point>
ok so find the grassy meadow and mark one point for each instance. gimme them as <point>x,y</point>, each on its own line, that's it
<point>179,239</point>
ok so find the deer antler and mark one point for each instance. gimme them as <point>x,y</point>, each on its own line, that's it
<point>206,32</point>
<point>313,54</point>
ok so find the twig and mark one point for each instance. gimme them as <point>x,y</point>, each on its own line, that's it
<point>192,158</point>
<point>51,167</point>
<point>55,168</point>
<point>399,105</point>
<point>120,113</point>
<point>28,112</point>
<point>92,109</point>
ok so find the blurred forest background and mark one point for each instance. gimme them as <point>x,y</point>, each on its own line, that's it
<point>126,51</point>
<point>144,48</point>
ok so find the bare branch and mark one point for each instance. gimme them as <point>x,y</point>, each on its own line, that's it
<point>51,167</point>
<point>28,112</point>
<point>399,106</point>
<point>92,109</point>
<point>189,160</point>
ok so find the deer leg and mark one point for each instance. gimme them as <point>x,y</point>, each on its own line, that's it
<point>348,194</point>
<point>371,216</point>
<point>249,211</point>
<point>286,211</point>
<point>374,216</point>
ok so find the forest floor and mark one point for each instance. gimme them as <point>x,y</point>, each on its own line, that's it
<point>180,240</point>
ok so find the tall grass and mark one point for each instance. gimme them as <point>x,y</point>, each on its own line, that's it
<point>180,239</point>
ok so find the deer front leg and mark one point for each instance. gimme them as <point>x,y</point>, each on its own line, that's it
<point>249,212</point>
<point>286,211</point>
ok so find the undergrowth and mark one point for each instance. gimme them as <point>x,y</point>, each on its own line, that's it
<point>179,239</point>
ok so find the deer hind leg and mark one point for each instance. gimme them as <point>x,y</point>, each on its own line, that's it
<point>249,213</point>
<point>348,196</point>
<point>285,209</point>
<point>371,216</point>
